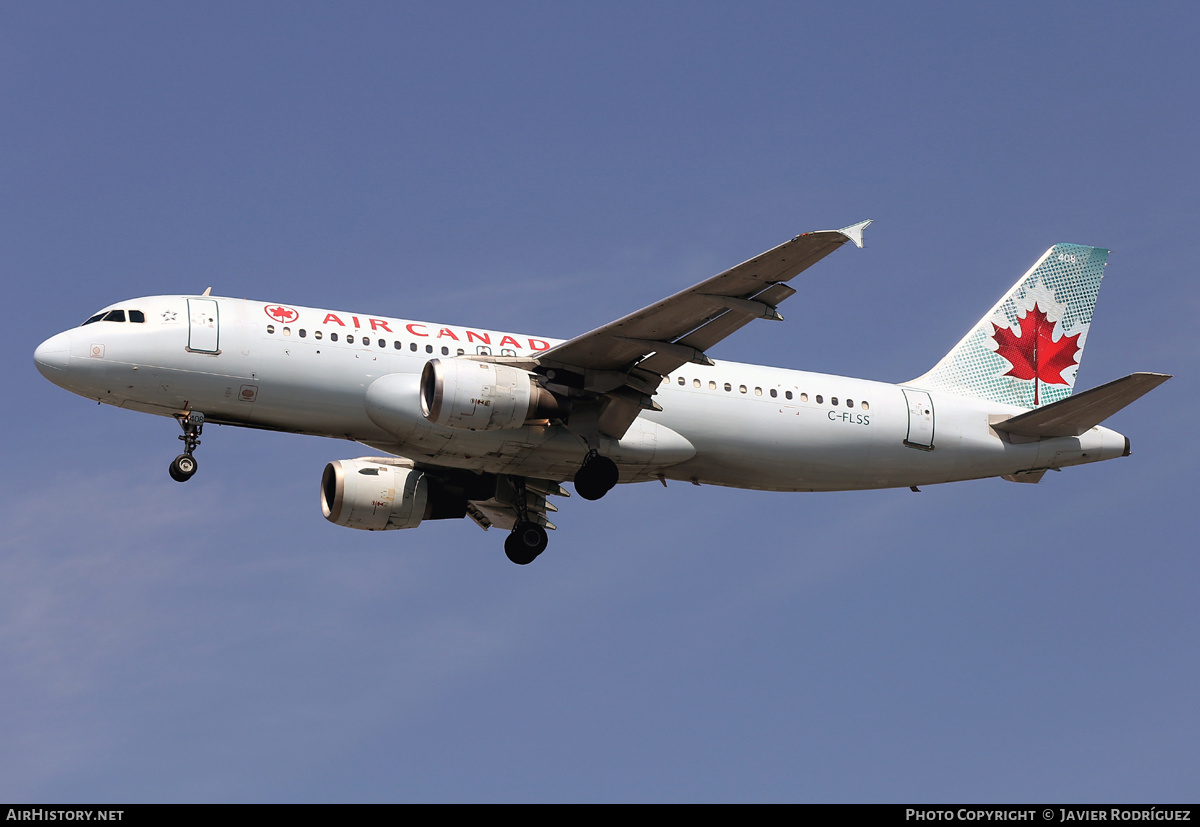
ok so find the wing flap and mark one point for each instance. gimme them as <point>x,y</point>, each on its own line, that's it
<point>722,326</point>
<point>516,496</point>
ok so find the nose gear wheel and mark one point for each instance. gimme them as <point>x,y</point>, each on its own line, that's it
<point>182,467</point>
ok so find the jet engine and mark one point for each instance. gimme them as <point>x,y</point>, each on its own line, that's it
<point>375,496</point>
<point>482,396</point>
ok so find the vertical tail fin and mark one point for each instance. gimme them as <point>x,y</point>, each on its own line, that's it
<point>1026,350</point>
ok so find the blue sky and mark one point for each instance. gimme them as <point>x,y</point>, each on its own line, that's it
<point>547,167</point>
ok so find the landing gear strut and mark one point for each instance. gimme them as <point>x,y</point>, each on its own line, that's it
<point>596,477</point>
<point>184,465</point>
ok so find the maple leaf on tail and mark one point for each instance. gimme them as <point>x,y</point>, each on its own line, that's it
<point>1034,354</point>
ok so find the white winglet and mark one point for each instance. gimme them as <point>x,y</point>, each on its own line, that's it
<point>855,232</point>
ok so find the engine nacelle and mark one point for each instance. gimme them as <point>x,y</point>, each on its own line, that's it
<point>482,396</point>
<point>375,496</point>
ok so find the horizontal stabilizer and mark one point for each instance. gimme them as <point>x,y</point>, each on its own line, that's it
<point>1033,476</point>
<point>1083,411</point>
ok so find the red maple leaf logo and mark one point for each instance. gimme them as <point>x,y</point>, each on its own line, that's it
<point>1034,354</point>
<point>281,313</point>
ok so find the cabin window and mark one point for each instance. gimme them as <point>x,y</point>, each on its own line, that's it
<point>461,351</point>
<point>820,399</point>
<point>712,386</point>
<point>445,351</point>
<point>397,345</point>
<point>429,348</point>
<point>412,346</point>
<point>866,406</point>
<point>695,383</point>
<point>270,328</point>
<point>758,391</point>
<point>333,337</point>
<point>833,401</point>
<point>287,331</point>
<point>774,393</point>
<point>803,396</point>
<point>682,381</point>
<point>316,334</point>
<point>728,387</point>
<point>741,388</point>
<point>137,316</point>
<point>788,394</point>
<point>849,403</point>
<point>303,333</point>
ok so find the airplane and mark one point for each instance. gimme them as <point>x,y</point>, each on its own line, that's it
<point>488,425</point>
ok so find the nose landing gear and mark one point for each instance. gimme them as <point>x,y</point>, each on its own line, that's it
<point>184,466</point>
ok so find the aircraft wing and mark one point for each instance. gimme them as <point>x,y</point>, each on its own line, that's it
<point>624,361</point>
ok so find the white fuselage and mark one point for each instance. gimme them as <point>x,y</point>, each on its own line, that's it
<point>252,364</point>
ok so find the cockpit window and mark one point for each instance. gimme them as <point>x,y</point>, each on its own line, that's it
<point>135,316</point>
<point>117,316</point>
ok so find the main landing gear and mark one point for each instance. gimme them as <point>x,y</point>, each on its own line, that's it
<point>528,539</point>
<point>184,465</point>
<point>526,542</point>
<point>596,477</point>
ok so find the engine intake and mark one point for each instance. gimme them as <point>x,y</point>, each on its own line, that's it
<point>374,496</point>
<point>482,396</point>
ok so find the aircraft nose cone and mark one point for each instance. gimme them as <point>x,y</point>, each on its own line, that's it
<point>52,356</point>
